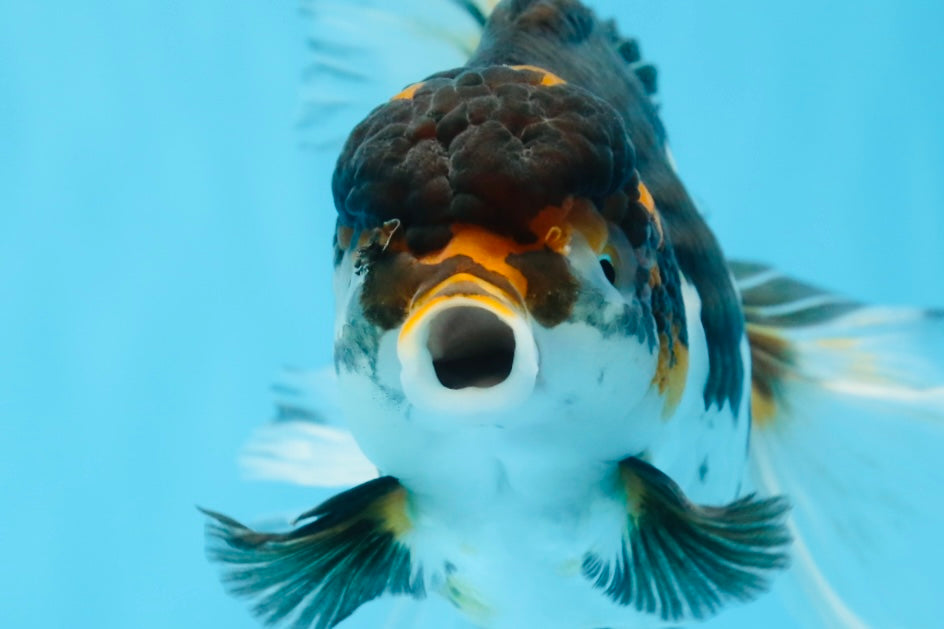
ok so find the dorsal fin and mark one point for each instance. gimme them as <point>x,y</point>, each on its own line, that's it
<point>362,52</point>
<point>630,52</point>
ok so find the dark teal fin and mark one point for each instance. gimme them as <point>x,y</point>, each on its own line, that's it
<point>318,574</point>
<point>681,561</point>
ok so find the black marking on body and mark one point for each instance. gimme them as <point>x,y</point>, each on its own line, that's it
<point>668,305</point>
<point>356,348</point>
<point>681,561</point>
<point>703,470</point>
<point>632,318</point>
<point>321,572</point>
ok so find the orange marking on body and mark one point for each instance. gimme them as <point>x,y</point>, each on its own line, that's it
<point>344,236</point>
<point>645,197</point>
<point>763,408</point>
<point>655,276</point>
<point>547,79</point>
<point>635,490</point>
<point>771,355</point>
<point>671,375</point>
<point>391,511</point>
<point>408,92</point>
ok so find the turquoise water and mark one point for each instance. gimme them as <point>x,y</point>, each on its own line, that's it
<point>165,249</point>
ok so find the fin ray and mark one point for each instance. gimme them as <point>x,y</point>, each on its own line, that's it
<point>426,37</point>
<point>682,561</point>
<point>322,571</point>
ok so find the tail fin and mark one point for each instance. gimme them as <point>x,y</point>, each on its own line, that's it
<point>848,421</point>
<point>365,51</point>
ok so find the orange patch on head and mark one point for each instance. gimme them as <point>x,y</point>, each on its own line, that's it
<point>408,92</point>
<point>547,78</point>
<point>551,227</point>
<point>671,374</point>
<point>486,248</point>
<point>587,220</point>
<point>554,225</point>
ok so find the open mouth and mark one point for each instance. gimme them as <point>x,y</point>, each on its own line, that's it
<point>470,347</point>
<point>465,349</point>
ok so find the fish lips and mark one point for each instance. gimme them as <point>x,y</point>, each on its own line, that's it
<point>467,347</point>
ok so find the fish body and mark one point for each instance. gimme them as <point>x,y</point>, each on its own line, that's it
<point>543,351</point>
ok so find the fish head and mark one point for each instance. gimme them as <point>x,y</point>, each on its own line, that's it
<point>494,255</point>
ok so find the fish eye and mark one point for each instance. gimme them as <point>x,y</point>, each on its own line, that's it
<point>606,263</point>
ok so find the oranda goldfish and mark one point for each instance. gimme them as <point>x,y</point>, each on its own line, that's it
<point>575,411</point>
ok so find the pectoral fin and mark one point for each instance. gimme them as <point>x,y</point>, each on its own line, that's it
<point>318,574</point>
<point>681,561</point>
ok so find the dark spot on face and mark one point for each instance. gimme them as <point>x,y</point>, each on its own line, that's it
<point>552,288</point>
<point>389,285</point>
<point>629,319</point>
<point>356,348</point>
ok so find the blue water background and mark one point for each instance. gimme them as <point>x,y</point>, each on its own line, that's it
<point>165,249</point>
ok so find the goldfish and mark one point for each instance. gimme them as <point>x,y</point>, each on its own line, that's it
<point>555,402</point>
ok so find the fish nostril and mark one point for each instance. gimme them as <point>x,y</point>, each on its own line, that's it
<point>470,347</point>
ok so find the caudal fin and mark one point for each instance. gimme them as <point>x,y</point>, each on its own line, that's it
<point>848,421</point>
